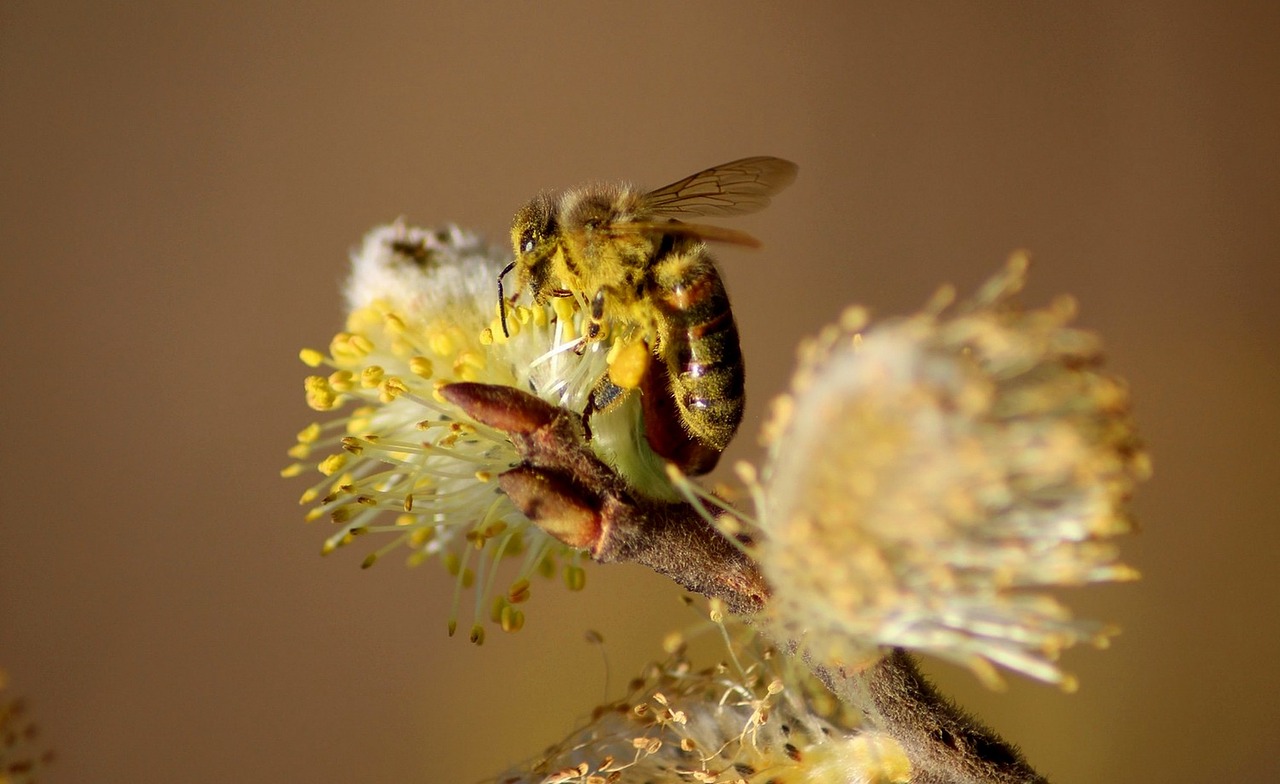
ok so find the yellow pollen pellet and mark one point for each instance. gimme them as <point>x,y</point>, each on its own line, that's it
<point>333,464</point>
<point>628,367</point>
<point>420,366</point>
<point>311,357</point>
<point>371,376</point>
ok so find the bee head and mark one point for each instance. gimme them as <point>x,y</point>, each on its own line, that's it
<point>534,229</point>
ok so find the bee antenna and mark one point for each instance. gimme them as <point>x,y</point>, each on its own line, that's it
<point>502,301</point>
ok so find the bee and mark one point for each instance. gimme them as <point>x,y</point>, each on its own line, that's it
<point>645,279</point>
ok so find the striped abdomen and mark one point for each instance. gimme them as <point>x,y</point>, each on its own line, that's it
<point>698,342</point>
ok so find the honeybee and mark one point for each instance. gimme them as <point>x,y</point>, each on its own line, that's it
<point>646,280</point>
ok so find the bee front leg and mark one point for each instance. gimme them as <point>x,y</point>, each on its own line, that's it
<point>595,329</point>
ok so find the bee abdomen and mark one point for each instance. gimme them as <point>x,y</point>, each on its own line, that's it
<point>701,350</point>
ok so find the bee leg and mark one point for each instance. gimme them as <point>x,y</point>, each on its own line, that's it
<point>595,329</point>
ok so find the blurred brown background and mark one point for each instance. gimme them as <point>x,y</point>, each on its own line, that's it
<point>181,183</point>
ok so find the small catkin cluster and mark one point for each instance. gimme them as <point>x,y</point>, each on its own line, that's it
<point>930,476</point>
<point>727,724</point>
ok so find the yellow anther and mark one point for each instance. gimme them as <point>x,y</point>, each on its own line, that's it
<point>371,376</point>
<point>486,336</point>
<point>366,318</point>
<point>332,464</point>
<point>441,343</point>
<point>564,308</point>
<point>484,476</point>
<point>393,323</point>
<point>420,366</point>
<point>547,566</point>
<point>519,592</point>
<point>369,560</point>
<point>292,470</point>
<point>539,315</point>
<point>408,502</point>
<point>477,634</point>
<point>342,514</point>
<point>342,380</point>
<point>311,357</point>
<point>308,496</point>
<point>312,515</point>
<point>352,445</point>
<point>361,344</point>
<point>391,388</point>
<point>320,395</point>
<point>309,434</point>
<point>339,346</point>
<point>511,620</point>
<point>575,578</point>
<point>299,451</point>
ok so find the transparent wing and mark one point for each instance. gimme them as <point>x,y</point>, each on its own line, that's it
<point>699,231</point>
<point>733,188</point>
